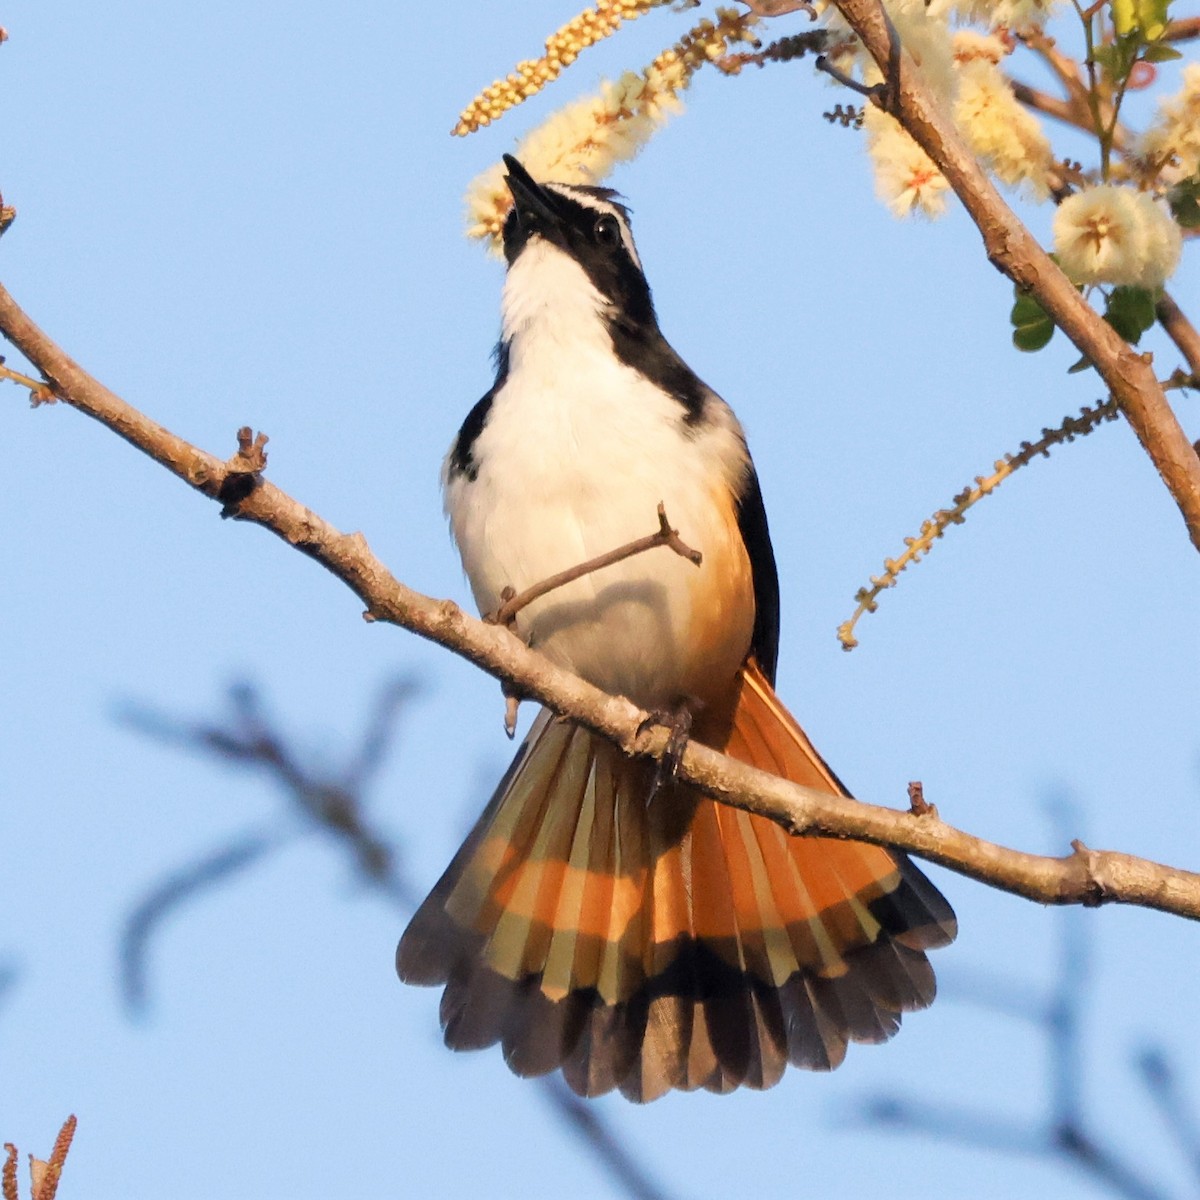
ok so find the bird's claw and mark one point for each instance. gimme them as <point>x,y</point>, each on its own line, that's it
<point>678,723</point>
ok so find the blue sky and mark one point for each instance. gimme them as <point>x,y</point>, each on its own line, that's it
<point>252,215</point>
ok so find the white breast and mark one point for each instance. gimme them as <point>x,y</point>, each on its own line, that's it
<point>577,452</point>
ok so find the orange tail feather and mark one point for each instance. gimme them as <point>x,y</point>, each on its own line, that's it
<point>675,944</point>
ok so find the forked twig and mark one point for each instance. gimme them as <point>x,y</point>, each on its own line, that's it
<point>663,536</point>
<point>872,92</point>
<point>39,389</point>
<point>331,802</point>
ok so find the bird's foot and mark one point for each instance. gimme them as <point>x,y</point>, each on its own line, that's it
<point>678,723</point>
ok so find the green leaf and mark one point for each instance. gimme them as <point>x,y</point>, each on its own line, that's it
<point>1127,48</point>
<point>1081,365</point>
<point>1117,58</point>
<point>1130,311</point>
<point>1032,327</point>
<point>1033,337</point>
<point>1027,311</point>
<point>1160,52</point>
<point>1184,199</point>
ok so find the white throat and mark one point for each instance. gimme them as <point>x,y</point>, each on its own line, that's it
<point>550,305</point>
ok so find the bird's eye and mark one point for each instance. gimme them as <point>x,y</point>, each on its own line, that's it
<point>608,231</point>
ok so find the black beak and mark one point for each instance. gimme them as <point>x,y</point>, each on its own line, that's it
<point>534,205</point>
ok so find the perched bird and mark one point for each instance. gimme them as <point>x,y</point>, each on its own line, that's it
<point>636,938</point>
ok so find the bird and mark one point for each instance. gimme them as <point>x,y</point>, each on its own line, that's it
<point>602,920</point>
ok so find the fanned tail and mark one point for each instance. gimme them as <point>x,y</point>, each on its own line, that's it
<point>676,944</point>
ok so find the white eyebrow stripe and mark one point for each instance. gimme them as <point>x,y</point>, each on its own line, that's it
<point>599,205</point>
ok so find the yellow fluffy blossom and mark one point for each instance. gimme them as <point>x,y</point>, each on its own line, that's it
<point>1017,15</point>
<point>906,179</point>
<point>970,45</point>
<point>582,142</point>
<point>1005,135</point>
<point>1173,142</point>
<point>1020,15</point>
<point>925,34</point>
<point>563,46</point>
<point>1114,234</point>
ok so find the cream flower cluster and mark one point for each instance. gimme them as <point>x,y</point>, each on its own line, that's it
<point>1020,16</point>
<point>1110,234</point>
<point>1114,234</point>
<point>906,179</point>
<point>1007,136</point>
<point>1173,141</point>
<point>962,69</point>
<point>582,142</point>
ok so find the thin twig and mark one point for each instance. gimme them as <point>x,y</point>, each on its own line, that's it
<point>872,92</point>
<point>506,614</point>
<point>935,527</point>
<point>1052,106</point>
<point>1065,111</point>
<point>8,978</point>
<point>1062,65</point>
<point>39,391</point>
<point>174,892</point>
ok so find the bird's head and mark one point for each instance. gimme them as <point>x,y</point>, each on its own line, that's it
<point>567,237</point>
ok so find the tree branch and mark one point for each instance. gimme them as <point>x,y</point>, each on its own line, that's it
<point>1185,29</point>
<point>1082,877</point>
<point>1180,330</point>
<point>1014,250</point>
<point>1067,111</point>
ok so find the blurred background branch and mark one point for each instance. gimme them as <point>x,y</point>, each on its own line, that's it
<point>334,802</point>
<point>8,980</point>
<point>1063,1131</point>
